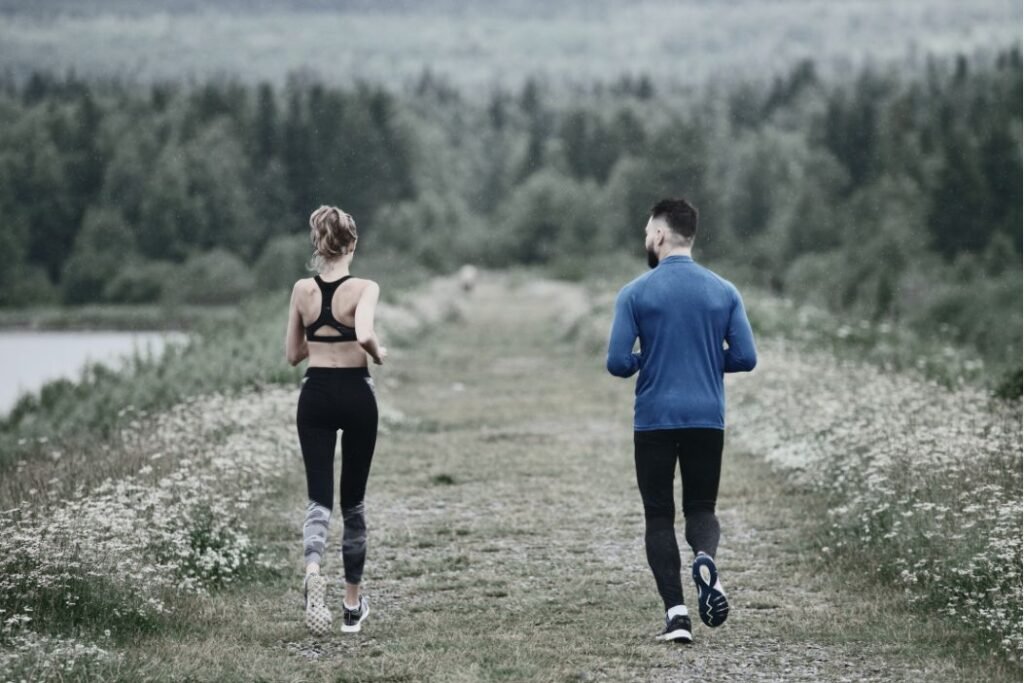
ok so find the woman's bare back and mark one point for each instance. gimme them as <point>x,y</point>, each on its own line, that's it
<point>343,309</point>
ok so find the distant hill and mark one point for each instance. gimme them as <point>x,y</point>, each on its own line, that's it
<point>143,7</point>
<point>479,43</point>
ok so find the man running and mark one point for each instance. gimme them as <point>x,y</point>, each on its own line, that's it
<point>692,328</point>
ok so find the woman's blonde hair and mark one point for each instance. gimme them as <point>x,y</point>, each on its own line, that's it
<point>333,234</point>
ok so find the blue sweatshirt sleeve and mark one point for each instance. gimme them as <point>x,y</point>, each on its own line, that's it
<point>741,356</point>
<point>622,362</point>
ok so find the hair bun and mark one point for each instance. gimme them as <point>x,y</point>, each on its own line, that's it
<point>332,232</point>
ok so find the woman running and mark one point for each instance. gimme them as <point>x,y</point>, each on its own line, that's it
<point>330,322</point>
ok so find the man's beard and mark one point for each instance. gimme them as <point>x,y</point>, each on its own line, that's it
<point>652,258</point>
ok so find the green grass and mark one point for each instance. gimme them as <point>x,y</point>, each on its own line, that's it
<point>506,543</point>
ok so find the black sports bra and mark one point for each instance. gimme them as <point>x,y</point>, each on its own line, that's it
<point>345,333</point>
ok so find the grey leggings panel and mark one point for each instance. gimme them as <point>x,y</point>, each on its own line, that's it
<point>353,540</point>
<point>353,543</point>
<point>314,532</point>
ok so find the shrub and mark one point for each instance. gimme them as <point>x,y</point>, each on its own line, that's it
<point>215,277</point>
<point>100,248</point>
<point>547,217</point>
<point>282,262</point>
<point>26,285</point>
<point>140,281</point>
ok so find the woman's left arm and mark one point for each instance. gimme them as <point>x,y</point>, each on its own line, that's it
<point>295,348</point>
<point>365,310</point>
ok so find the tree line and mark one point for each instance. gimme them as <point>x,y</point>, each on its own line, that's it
<point>893,197</point>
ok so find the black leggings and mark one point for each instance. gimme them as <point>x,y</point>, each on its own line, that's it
<point>699,455</point>
<point>333,399</point>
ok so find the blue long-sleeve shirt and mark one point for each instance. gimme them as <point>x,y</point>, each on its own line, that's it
<point>681,312</point>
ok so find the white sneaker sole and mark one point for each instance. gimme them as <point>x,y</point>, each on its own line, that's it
<point>712,603</point>
<point>680,635</point>
<point>356,627</point>
<point>318,617</point>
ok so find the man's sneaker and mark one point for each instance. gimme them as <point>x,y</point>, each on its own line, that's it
<point>677,629</point>
<point>352,619</point>
<point>318,617</point>
<point>711,601</point>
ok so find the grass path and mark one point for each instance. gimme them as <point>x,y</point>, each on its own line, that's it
<point>506,542</point>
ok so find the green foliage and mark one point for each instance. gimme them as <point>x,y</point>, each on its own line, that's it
<point>282,262</point>
<point>434,231</point>
<point>892,198</point>
<point>22,283</point>
<point>1012,385</point>
<point>97,256</point>
<point>214,277</point>
<point>101,180</point>
<point>548,217</point>
<point>139,281</point>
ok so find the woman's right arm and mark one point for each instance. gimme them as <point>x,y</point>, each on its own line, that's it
<point>295,348</point>
<point>365,310</point>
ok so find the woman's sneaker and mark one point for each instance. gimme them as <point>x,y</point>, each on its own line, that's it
<point>677,629</point>
<point>318,617</point>
<point>352,619</point>
<point>711,601</point>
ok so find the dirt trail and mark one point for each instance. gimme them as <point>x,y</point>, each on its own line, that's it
<point>506,539</point>
<point>544,516</point>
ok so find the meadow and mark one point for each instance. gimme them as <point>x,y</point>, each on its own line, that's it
<point>858,171</point>
<point>854,535</point>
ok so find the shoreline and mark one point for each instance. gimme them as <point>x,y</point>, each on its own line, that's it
<point>112,318</point>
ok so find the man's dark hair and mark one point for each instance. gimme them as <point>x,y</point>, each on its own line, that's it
<point>680,215</point>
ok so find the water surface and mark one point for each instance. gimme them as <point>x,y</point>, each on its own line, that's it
<point>30,359</point>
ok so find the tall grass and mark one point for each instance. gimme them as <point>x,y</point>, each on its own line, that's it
<point>923,481</point>
<point>113,562</point>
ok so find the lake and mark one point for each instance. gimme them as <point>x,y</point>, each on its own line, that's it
<point>30,359</point>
